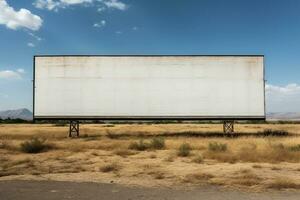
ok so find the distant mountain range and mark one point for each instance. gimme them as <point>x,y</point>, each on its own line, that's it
<point>26,114</point>
<point>22,113</point>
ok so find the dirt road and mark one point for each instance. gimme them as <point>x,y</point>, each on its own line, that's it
<point>46,190</point>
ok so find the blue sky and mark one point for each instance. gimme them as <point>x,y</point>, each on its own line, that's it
<point>269,27</point>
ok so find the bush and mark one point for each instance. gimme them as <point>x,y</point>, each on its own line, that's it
<point>215,146</point>
<point>113,167</point>
<point>34,145</point>
<point>139,146</point>
<point>157,143</point>
<point>184,150</point>
<point>294,148</point>
<point>270,132</point>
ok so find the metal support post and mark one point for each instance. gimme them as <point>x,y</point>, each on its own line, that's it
<point>228,127</point>
<point>74,128</point>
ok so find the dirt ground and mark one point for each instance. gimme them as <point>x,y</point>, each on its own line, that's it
<point>186,156</point>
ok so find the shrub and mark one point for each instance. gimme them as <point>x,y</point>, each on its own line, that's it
<point>294,148</point>
<point>270,132</point>
<point>215,146</point>
<point>113,167</point>
<point>184,150</point>
<point>157,143</point>
<point>139,146</point>
<point>35,145</point>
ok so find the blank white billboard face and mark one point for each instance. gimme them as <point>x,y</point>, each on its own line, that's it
<point>149,87</point>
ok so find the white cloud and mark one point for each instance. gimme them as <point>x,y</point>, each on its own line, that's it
<point>283,98</point>
<point>23,18</point>
<point>286,90</point>
<point>35,36</point>
<point>119,32</point>
<point>135,28</point>
<point>46,4</point>
<point>100,9</point>
<point>30,44</point>
<point>100,25</point>
<point>10,74</point>
<point>116,4</point>
<point>102,4</point>
<point>21,71</point>
<point>55,4</point>
<point>71,2</point>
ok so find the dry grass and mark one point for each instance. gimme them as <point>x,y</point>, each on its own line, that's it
<point>269,152</point>
<point>124,152</point>
<point>257,166</point>
<point>112,167</point>
<point>138,154</point>
<point>282,183</point>
<point>157,174</point>
<point>246,178</point>
<point>170,158</point>
<point>198,159</point>
<point>197,178</point>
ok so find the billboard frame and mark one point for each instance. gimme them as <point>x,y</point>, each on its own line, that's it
<point>145,118</point>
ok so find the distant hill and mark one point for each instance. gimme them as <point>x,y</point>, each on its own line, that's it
<point>294,116</point>
<point>22,113</point>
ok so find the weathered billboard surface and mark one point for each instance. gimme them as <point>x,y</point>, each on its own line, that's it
<point>122,87</point>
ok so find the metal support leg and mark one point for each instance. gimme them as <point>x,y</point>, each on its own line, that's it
<point>74,128</point>
<point>228,127</point>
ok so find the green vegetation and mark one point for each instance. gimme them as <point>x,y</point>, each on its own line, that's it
<point>184,150</point>
<point>157,143</point>
<point>35,145</point>
<point>270,132</point>
<point>139,146</point>
<point>215,146</point>
<point>295,148</point>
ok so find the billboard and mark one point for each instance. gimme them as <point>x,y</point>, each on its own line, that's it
<point>149,87</point>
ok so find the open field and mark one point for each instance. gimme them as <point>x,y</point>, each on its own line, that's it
<point>154,155</point>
